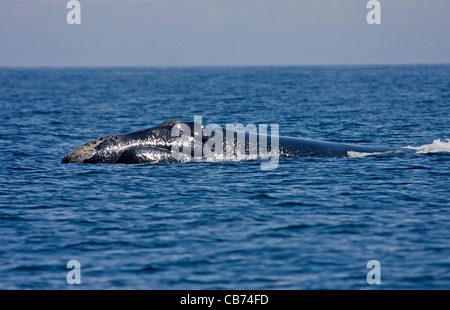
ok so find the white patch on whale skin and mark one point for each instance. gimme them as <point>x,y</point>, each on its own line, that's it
<point>154,157</point>
<point>351,154</point>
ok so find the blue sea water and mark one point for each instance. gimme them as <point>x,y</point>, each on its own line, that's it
<point>312,223</point>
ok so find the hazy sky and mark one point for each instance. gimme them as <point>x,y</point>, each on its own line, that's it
<point>223,32</point>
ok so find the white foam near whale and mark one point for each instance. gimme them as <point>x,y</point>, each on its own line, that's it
<point>437,146</point>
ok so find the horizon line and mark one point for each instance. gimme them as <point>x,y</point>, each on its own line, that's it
<point>229,65</point>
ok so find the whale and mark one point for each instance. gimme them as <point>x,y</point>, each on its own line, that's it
<point>156,145</point>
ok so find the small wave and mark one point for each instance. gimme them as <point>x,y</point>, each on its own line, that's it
<point>437,146</point>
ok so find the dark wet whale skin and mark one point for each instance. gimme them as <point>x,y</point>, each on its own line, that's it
<point>125,148</point>
<point>154,146</point>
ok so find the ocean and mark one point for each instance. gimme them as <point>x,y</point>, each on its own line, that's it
<point>312,223</point>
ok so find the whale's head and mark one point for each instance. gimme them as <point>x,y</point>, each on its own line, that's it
<point>89,151</point>
<point>109,149</point>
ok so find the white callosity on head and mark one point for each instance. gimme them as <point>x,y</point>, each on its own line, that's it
<point>86,150</point>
